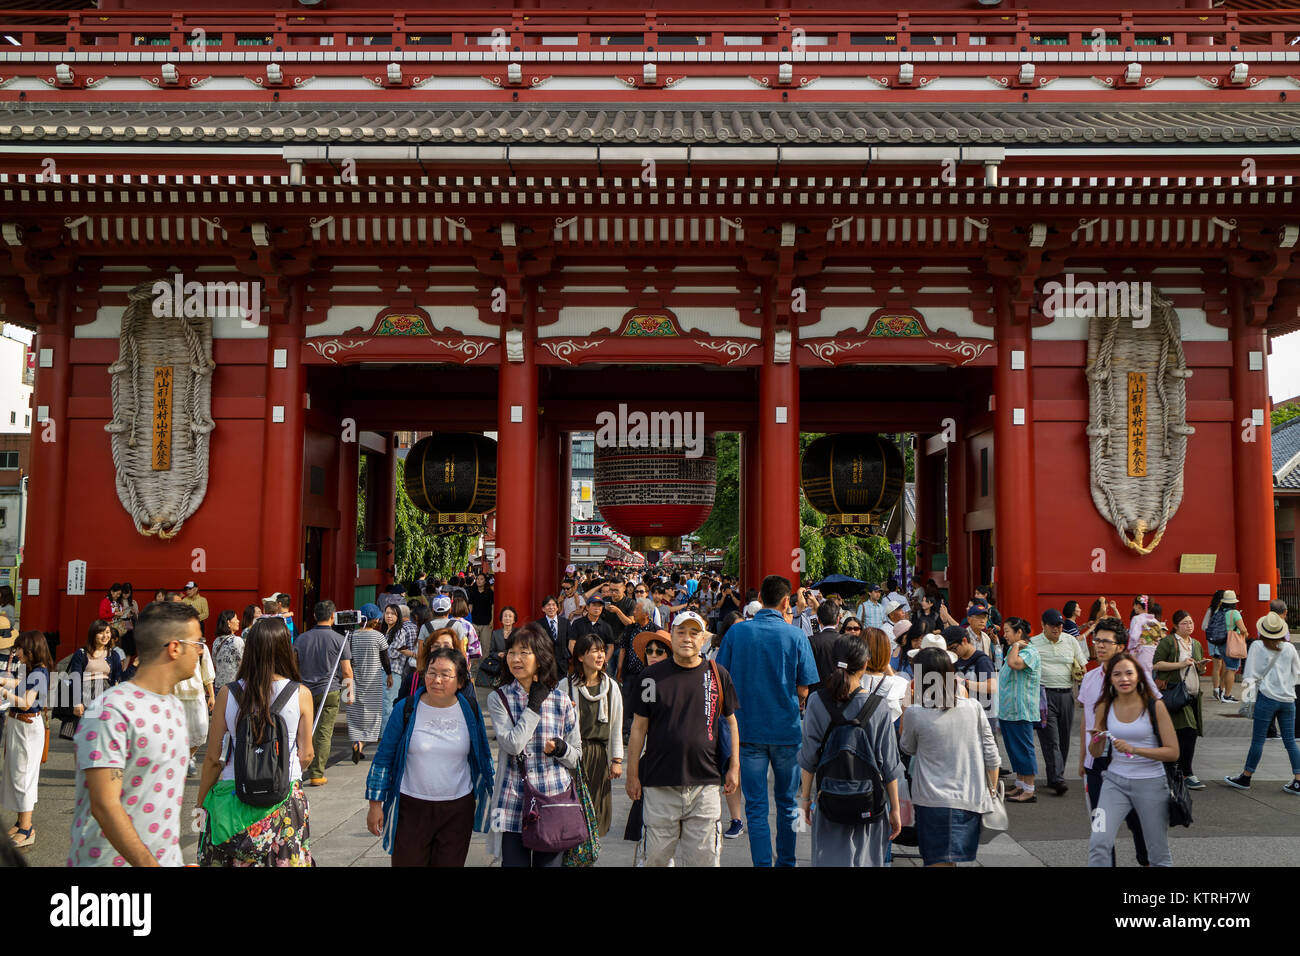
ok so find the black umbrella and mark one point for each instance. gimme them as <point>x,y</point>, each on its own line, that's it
<point>840,584</point>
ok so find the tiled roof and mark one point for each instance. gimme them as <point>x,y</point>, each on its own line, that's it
<point>1286,454</point>
<point>826,124</point>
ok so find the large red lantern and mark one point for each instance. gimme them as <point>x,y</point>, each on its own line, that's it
<point>655,495</point>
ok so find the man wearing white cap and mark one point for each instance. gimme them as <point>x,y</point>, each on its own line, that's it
<point>773,667</point>
<point>196,600</point>
<point>680,708</point>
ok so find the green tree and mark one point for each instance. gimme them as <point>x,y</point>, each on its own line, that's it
<point>723,523</point>
<point>1284,413</point>
<point>414,549</point>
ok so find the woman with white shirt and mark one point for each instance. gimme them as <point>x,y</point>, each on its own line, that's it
<point>1273,669</point>
<point>430,785</point>
<point>235,833</point>
<point>896,689</point>
<point>955,767</point>
<point>1135,779</point>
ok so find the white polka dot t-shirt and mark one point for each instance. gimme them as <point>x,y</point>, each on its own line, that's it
<point>142,734</point>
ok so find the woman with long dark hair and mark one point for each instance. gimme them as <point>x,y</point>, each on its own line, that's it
<point>599,703</point>
<point>403,638</point>
<point>98,666</point>
<point>24,731</point>
<point>130,607</point>
<point>537,723</point>
<point>235,833</point>
<point>1137,727</point>
<point>843,696</point>
<point>227,649</point>
<point>955,765</point>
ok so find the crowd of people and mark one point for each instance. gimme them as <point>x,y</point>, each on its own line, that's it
<point>879,721</point>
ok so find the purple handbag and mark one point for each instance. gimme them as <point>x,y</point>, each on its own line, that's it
<point>551,824</point>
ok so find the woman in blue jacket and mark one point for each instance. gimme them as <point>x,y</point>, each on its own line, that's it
<point>430,784</point>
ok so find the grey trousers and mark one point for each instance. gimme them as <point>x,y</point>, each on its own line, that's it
<point>1119,795</point>
<point>1055,737</point>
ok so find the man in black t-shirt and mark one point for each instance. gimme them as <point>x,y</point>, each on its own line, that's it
<point>680,709</point>
<point>976,669</point>
<point>592,623</point>
<point>480,608</point>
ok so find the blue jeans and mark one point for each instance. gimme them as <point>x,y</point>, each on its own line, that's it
<point>1265,709</point>
<point>754,761</point>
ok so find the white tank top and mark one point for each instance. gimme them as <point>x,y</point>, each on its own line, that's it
<point>291,712</point>
<point>1141,734</point>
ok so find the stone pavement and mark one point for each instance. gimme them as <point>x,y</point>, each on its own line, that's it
<point>1232,828</point>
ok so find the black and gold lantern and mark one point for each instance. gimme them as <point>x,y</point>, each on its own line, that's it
<point>452,477</point>
<point>853,480</point>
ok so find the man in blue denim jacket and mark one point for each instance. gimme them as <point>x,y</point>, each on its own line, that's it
<point>771,664</point>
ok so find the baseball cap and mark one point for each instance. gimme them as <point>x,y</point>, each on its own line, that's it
<point>570,569</point>
<point>873,586</point>
<point>685,616</point>
<point>441,603</point>
<point>190,584</point>
<point>596,599</point>
<point>1053,617</point>
<point>979,607</point>
<point>370,612</point>
<point>892,606</point>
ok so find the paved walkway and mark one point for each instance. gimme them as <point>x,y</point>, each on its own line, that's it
<point>1232,828</point>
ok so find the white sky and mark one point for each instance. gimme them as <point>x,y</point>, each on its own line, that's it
<point>1284,367</point>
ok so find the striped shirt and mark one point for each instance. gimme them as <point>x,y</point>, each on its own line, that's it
<point>1057,660</point>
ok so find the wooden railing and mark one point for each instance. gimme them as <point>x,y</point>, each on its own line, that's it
<point>512,31</point>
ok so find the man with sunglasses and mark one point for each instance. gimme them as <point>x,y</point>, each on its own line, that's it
<point>1110,637</point>
<point>132,749</point>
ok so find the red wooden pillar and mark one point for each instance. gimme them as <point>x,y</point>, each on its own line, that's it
<point>959,588</point>
<point>1013,448</point>
<point>43,564</point>
<point>382,489</point>
<point>516,468</point>
<point>546,540</point>
<point>1252,462</point>
<point>778,442</point>
<point>749,530</point>
<point>564,498</point>
<point>282,455</point>
<point>345,540</point>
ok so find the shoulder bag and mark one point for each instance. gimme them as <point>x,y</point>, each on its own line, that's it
<point>1250,690</point>
<point>1236,644</point>
<point>995,817</point>
<point>1180,797</point>
<point>724,727</point>
<point>549,823</point>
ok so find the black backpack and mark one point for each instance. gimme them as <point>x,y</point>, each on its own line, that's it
<point>850,790</point>
<point>262,767</point>
<point>1216,632</point>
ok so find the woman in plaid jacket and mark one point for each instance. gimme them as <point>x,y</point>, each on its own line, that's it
<point>537,723</point>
